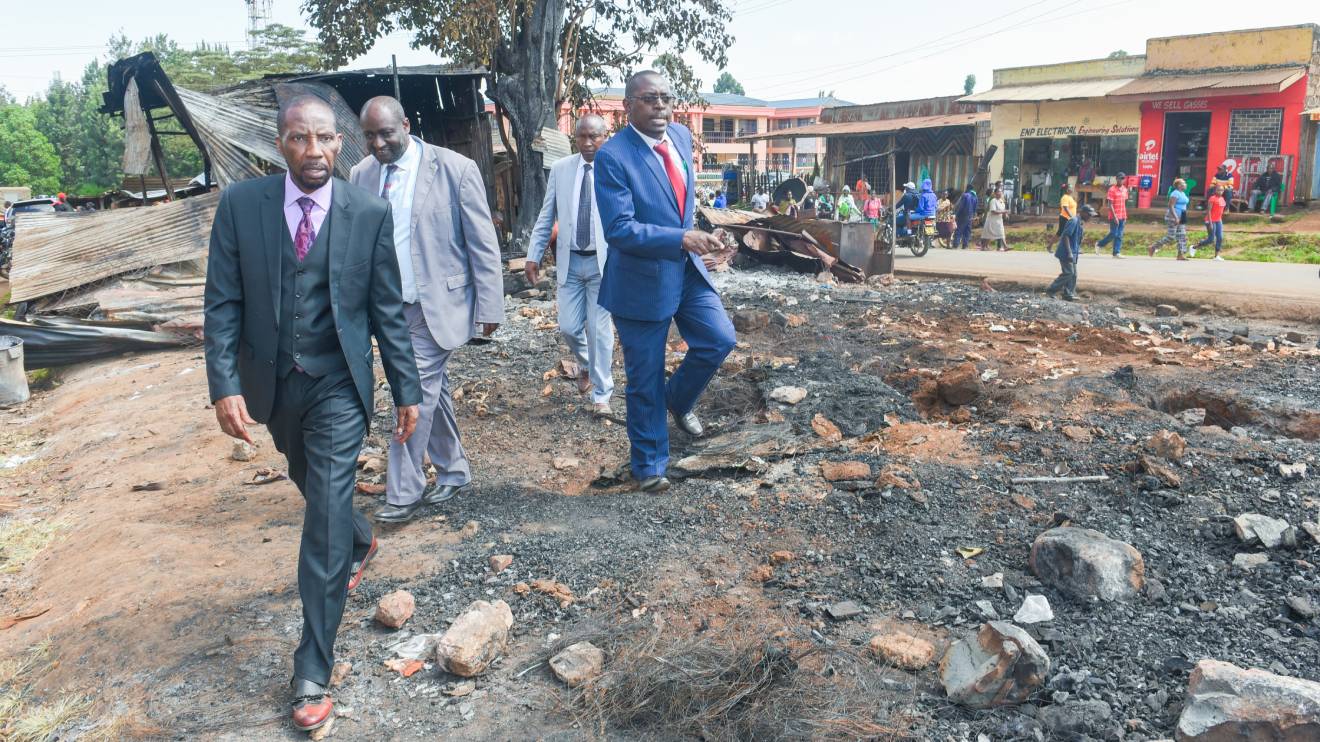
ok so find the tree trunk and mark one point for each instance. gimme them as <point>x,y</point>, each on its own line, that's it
<point>526,74</point>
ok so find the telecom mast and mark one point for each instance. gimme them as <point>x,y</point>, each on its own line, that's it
<point>258,12</point>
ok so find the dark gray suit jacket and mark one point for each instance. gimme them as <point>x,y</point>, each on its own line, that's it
<point>243,293</point>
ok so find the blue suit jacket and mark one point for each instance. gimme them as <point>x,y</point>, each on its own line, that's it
<point>644,270</point>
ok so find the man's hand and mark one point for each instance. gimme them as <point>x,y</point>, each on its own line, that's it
<point>532,270</point>
<point>699,243</point>
<point>233,416</point>
<point>405,422</point>
<point>488,328</point>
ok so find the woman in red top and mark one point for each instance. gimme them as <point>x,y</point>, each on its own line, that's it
<point>1214,221</point>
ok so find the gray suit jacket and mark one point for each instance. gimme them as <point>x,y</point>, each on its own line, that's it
<point>559,204</point>
<point>455,253</point>
<point>243,294</point>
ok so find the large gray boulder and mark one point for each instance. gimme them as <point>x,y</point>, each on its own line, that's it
<point>999,666</point>
<point>1088,564</point>
<point>1228,704</point>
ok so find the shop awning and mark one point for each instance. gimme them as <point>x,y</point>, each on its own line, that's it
<point>1068,90</point>
<point>881,126</point>
<point>1210,84</point>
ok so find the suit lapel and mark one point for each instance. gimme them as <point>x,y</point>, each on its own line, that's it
<point>272,221</point>
<point>340,223</point>
<point>648,157</point>
<point>428,169</point>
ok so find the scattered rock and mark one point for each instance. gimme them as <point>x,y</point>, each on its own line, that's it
<point>565,462</point>
<point>395,608</point>
<point>242,451</point>
<point>784,319</point>
<point>1313,529</point>
<point>1077,433</point>
<point>1163,472</point>
<point>1086,563</point>
<point>1248,562</point>
<point>781,556</point>
<point>1301,606</point>
<point>1193,416</point>
<point>750,320</point>
<point>826,429</point>
<point>1168,444</point>
<point>994,581</point>
<point>500,562</point>
<point>788,394</point>
<point>475,639</point>
<point>1292,471</point>
<point>1075,718</point>
<point>557,590</point>
<point>322,732</point>
<point>1269,532</point>
<point>1001,665</point>
<point>897,476</point>
<point>373,465</point>
<point>1035,609</point>
<point>469,529</point>
<point>1166,310</point>
<point>419,646</point>
<point>339,673</point>
<point>406,668</point>
<point>842,471</point>
<point>461,689</point>
<point>762,573</point>
<point>1294,336</point>
<point>578,663</point>
<point>1226,704</point>
<point>960,384</point>
<point>986,609</point>
<point>903,650</point>
<point>844,610</point>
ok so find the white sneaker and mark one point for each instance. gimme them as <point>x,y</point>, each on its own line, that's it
<point>1120,256</point>
<point>1191,252</point>
<point>1219,258</point>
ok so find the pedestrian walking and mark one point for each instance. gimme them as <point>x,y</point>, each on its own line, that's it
<point>1067,207</point>
<point>1116,199</point>
<point>846,206</point>
<point>1175,220</point>
<point>1214,221</point>
<point>944,217</point>
<point>963,215</point>
<point>871,210</point>
<point>1068,251</point>
<point>993,230</point>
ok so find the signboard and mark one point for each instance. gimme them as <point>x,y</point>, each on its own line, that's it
<point>1131,182</point>
<point>1181,104</point>
<point>1008,185</point>
<point>1079,130</point>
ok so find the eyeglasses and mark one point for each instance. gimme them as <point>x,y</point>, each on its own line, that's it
<point>652,100</point>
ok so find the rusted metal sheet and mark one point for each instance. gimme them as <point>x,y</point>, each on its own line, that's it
<point>1211,83</point>
<point>57,252</point>
<point>1064,90</point>
<point>878,126</point>
<point>807,245</point>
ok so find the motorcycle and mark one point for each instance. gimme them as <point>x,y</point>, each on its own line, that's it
<point>917,236</point>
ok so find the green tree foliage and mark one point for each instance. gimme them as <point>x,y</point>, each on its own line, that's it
<point>727,84</point>
<point>27,158</point>
<point>540,53</point>
<point>1117,54</point>
<point>969,84</point>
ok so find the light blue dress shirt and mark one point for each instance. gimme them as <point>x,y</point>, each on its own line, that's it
<point>401,202</point>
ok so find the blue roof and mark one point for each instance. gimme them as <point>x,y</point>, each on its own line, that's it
<point>731,99</point>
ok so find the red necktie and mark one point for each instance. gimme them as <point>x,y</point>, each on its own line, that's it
<point>675,178</point>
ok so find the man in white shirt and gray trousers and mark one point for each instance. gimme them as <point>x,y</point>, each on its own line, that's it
<point>580,251</point>
<point>452,279</point>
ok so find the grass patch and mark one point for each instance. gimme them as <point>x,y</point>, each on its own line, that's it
<point>21,540</point>
<point>25,718</point>
<point>1258,248</point>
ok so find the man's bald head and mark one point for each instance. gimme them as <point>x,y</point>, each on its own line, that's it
<point>385,127</point>
<point>588,135</point>
<point>590,123</point>
<point>649,102</point>
<point>637,79</point>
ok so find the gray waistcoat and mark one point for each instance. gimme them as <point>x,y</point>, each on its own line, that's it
<point>308,338</point>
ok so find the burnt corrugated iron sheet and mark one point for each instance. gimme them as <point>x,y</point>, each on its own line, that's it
<point>1212,83</point>
<point>946,171</point>
<point>873,127</point>
<point>1069,90</point>
<point>56,252</point>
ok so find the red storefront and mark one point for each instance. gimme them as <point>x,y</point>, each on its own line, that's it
<point>1190,124</point>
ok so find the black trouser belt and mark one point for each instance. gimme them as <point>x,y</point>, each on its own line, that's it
<point>583,252</point>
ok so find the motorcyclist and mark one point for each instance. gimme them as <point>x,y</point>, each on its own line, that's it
<point>927,202</point>
<point>909,203</point>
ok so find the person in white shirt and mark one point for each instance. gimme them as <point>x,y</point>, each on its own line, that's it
<point>580,253</point>
<point>760,201</point>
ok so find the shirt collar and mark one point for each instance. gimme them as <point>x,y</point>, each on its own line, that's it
<point>320,196</point>
<point>651,142</point>
<point>411,156</point>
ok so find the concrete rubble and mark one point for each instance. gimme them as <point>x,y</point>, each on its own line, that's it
<point>476,638</point>
<point>1000,665</point>
<point>1226,703</point>
<point>1085,563</point>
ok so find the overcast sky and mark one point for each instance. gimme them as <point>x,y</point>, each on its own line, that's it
<point>864,52</point>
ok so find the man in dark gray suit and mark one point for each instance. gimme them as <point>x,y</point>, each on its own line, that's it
<point>452,282</point>
<point>301,274</point>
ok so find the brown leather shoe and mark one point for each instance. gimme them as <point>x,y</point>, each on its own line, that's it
<point>355,575</point>
<point>584,382</point>
<point>312,706</point>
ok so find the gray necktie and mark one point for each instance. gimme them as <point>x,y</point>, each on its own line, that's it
<point>584,210</point>
<point>390,171</point>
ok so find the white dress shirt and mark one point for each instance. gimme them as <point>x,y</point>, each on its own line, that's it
<point>401,202</point>
<point>577,194</point>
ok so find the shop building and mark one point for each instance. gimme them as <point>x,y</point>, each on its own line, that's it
<point>1238,98</point>
<point>1054,124</point>
<point>938,138</point>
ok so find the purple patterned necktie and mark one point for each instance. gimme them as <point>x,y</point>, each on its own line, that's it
<point>302,241</point>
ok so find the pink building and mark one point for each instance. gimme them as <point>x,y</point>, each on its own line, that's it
<point>727,117</point>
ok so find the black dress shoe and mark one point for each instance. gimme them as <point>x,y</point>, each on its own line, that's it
<point>655,484</point>
<point>688,423</point>
<point>438,493</point>
<point>397,513</point>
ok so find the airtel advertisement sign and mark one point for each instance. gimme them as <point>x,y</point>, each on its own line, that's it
<point>1148,155</point>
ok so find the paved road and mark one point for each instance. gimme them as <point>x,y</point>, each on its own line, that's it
<point>1267,290</point>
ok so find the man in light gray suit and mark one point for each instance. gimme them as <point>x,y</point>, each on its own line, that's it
<point>580,254</point>
<point>452,281</point>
